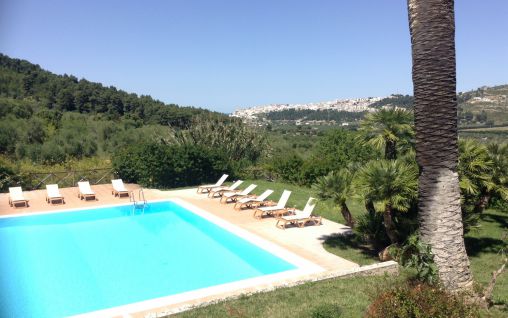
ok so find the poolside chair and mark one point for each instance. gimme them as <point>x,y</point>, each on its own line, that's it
<point>254,201</point>
<point>16,197</point>
<point>209,187</point>
<point>275,210</point>
<point>53,194</point>
<point>234,196</point>
<point>218,192</point>
<point>300,218</point>
<point>118,188</point>
<point>85,191</point>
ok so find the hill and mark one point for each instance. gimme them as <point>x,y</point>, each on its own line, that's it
<point>483,107</point>
<point>50,118</point>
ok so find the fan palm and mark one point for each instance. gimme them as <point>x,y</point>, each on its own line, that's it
<point>392,183</point>
<point>497,186</point>
<point>387,129</point>
<point>337,186</point>
<point>474,168</point>
<point>432,29</point>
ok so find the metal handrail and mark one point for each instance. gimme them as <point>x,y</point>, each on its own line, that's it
<point>132,198</point>
<point>141,194</point>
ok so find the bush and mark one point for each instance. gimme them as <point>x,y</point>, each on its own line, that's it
<point>8,176</point>
<point>158,165</point>
<point>287,168</point>
<point>417,255</point>
<point>50,153</point>
<point>326,311</point>
<point>419,301</point>
<point>371,229</point>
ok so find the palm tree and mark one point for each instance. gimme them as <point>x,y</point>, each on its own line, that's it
<point>474,178</point>
<point>387,129</point>
<point>432,28</point>
<point>392,183</point>
<point>474,168</point>
<point>498,186</point>
<point>337,186</point>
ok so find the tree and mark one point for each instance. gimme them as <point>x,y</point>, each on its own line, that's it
<point>432,28</point>
<point>337,186</point>
<point>475,178</point>
<point>386,128</point>
<point>474,168</point>
<point>392,183</point>
<point>497,177</point>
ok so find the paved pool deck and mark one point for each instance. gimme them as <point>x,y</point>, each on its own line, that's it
<point>304,242</point>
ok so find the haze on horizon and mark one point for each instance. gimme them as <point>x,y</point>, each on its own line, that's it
<point>227,54</point>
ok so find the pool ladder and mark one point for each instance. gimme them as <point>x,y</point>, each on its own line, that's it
<point>141,202</point>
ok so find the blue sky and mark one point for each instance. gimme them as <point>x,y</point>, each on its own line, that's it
<point>223,54</point>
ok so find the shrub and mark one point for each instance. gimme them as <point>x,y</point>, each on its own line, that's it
<point>50,153</point>
<point>159,165</point>
<point>371,229</point>
<point>8,176</point>
<point>8,136</point>
<point>419,301</point>
<point>326,311</point>
<point>287,168</point>
<point>418,255</point>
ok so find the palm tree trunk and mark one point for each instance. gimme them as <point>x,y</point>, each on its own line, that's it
<point>432,28</point>
<point>390,150</point>
<point>391,230</point>
<point>346,214</point>
<point>369,206</point>
<point>482,203</point>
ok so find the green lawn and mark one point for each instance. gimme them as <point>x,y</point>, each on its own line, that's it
<point>483,247</point>
<point>353,295</point>
<point>300,195</point>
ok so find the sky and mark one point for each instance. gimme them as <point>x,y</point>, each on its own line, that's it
<point>229,54</point>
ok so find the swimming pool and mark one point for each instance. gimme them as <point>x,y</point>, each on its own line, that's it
<point>69,263</point>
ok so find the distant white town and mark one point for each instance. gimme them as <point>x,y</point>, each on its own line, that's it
<point>349,105</point>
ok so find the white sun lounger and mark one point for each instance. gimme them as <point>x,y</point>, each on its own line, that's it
<point>250,202</point>
<point>53,194</point>
<point>209,187</point>
<point>118,188</point>
<point>16,197</point>
<point>278,209</point>
<point>300,218</point>
<point>218,192</point>
<point>85,191</point>
<point>234,196</point>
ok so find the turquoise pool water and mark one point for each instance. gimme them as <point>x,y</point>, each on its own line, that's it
<point>61,264</point>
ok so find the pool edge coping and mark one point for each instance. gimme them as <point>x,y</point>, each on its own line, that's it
<point>303,266</point>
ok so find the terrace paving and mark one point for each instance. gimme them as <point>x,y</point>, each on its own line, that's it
<point>305,242</point>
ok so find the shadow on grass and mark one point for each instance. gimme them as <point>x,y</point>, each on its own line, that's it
<point>345,242</point>
<point>477,245</point>
<point>502,220</point>
<point>492,242</point>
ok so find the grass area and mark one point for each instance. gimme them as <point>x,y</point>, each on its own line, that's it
<point>503,128</point>
<point>352,295</point>
<point>299,197</point>
<point>483,247</point>
<point>347,247</point>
